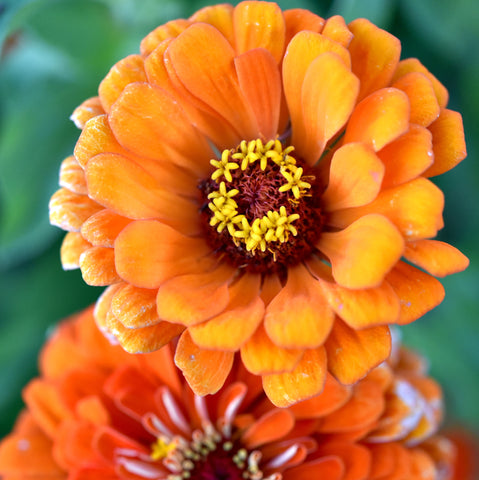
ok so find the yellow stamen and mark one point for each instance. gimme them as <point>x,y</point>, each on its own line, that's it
<point>161,448</point>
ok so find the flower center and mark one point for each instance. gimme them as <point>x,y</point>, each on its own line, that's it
<point>261,206</point>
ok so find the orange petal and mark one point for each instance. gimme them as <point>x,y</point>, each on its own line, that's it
<point>220,16</point>
<point>407,157</point>
<point>182,299</point>
<point>73,246</point>
<point>98,266</point>
<point>148,121</point>
<point>417,291</point>
<point>374,55</point>
<point>259,25</point>
<point>414,65</point>
<point>305,381</point>
<point>204,370</point>
<point>448,142</point>
<point>261,356</point>
<point>69,210</point>
<point>299,316</point>
<point>333,397</point>
<point>424,105</point>
<point>102,228</point>
<point>364,252</point>
<point>169,30</point>
<point>379,119</point>
<point>422,465</point>
<point>147,253</point>
<point>135,307</point>
<point>88,109</point>
<point>128,70</point>
<point>438,258</point>
<point>210,75</point>
<point>353,353</point>
<point>328,97</point>
<point>299,19</point>
<point>414,207</point>
<point>264,93</point>
<point>336,29</point>
<point>234,326</point>
<point>331,468</point>
<point>355,177</point>
<point>272,426</point>
<point>72,176</point>
<point>383,460</point>
<point>128,190</point>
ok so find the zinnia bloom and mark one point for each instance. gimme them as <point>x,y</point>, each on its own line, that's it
<point>258,181</point>
<point>97,412</point>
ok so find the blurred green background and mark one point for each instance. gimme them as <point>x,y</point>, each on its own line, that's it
<point>55,53</point>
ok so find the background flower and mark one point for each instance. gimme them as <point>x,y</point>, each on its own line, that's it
<point>53,48</point>
<point>105,414</point>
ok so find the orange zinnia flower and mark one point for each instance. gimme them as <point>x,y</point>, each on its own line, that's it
<point>97,412</point>
<point>257,181</point>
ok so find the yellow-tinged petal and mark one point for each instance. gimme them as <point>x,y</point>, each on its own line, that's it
<point>264,93</point>
<point>169,30</point>
<point>448,142</point>
<point>355,177</point>
<point>125,188</point>
<point>305,381</point>
<point>204,370</point>
<point>72,176</point>
<point>379,119</point>
<point>98,266</point>
<point>414,207</point>
<point>300,19</point>
<point>407,157</point>
<point>299,316</point>
<point>336,29</point>
<point>374,55</point>
<point>211,77</point>
<point>88,109</point>
<point>147,121</point>
<point>328,97</point>
<point>422,98</point>
<point>147,253</point>
<point>438,258</point>
<point>103,227</point>
<point>73,246</point>
<point>220,16</point>
<point>182,299</point>
<point>261,356</point>
<point>127,70</point>
<point>364,252</point>
<point>232,328</point>
<point>418,291</point>
<point>259,25</point>
<point>353,353</point>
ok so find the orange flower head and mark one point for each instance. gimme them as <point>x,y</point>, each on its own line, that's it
<point>97,412</point>
<point>257,181</point>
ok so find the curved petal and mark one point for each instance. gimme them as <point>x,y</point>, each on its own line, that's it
<point>379,119</point>
<point>210,75</point>
<point>128,70</point>
<point>422,98</point>
<point>124,187</point>
<point>259,25</point>
<point>374,55</point>
<point>234,326</point>
<point>407,157</point>
<point>260,82</point>
<point>353,353</point>
<point>355,177</point>
<point>305,381</point>
<point>336,29</point>
<point>271,426</point>
<point>73,246</point>
<point>169,30</point>
<point>448,142</point>
<point>72,176</point>
<point>204,370</point>
<point>437,258</point>
<point>261,356</point>
<point>88,109</point>
<point>364,252</point>
<point>147,253</point>
<point>418,291</point>
<point>182,299</point>
<point>97,266</point>
<point>220,16</point>
<point>300,19</point>
<point>147,121</point>
<point>102,228</point>
<point>299,316</point>
<point>328,97</point>
<point>330,467</point>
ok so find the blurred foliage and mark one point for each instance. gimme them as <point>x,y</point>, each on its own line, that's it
<point>55,53</point>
